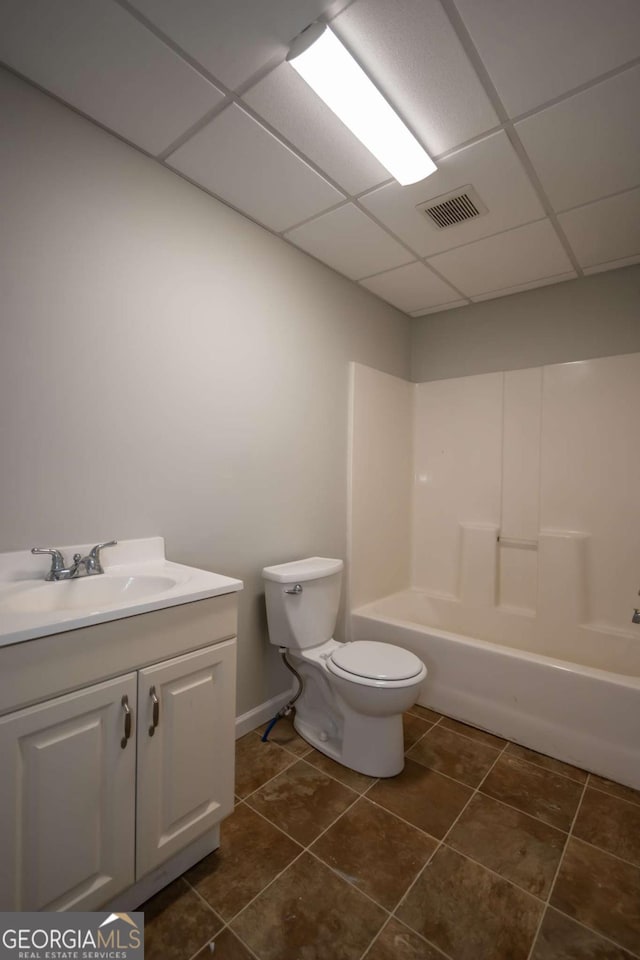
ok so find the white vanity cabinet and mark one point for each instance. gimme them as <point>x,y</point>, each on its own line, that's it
<point>106,788</point>
<point>185,782</point>
<point>67,800</point>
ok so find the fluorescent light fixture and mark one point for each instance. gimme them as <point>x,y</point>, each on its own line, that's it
<point>330,70</point>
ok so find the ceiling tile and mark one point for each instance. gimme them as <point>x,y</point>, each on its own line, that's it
<point>612,265</point>
<point>289,104</point>
<point>523,255</point>
<point>242,163</point>
<point>101,60</point>
<point>350,242</point>
<point>233,39</point>
<point>535,52</point>
<point>411,288</point>
<point>491,166</point>
<point>606,230</point>
<point>413,55</point>
<point>587,146</point>
<point>520,287</point>
<point>439,309</point>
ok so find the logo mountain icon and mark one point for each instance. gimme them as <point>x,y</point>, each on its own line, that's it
<point>119,916</point>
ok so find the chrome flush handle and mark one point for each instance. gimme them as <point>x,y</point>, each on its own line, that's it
<point>295,590</point>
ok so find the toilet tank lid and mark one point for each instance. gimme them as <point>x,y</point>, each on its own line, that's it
<point>300,570</point>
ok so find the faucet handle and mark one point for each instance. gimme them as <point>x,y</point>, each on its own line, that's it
<point>94,555</point>
<point>57,560</point>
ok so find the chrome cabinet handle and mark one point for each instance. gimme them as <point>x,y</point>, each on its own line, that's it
<point>295,590</point>
<point>156,711</point>
<point>127,721</point>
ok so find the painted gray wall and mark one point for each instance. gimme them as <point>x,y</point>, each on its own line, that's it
<point>168,367</point>
<point>596,316</point>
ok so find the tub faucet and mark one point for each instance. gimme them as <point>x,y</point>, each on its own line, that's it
<point>91,562</point>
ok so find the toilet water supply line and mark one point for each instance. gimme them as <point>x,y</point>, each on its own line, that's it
<point>286,710</point>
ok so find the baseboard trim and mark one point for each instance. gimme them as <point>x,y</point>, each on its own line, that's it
<point>261,714</point>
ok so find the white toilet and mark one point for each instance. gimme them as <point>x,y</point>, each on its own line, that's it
<point>354,694</point>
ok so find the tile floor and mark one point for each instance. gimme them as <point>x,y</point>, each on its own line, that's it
<point>479,850</point>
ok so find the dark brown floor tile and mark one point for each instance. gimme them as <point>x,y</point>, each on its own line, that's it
<point>257,762</point>
<point>518,847</point>
<point>610,823</point>
<point>375,851</point>
<point>413,728</point>
<point>453,755</point>
<point>469,912</point>
<point>252,852</point>
<point>534,790</point>
<point>177,923</point>
<point>600,891</point>
<point>397,942</point>
<point>302,801</point>
<point>549,763</point>
<point>225,946</point>
<point>424,713</point>
<point>285,736</point>
<point>481,736</point>
<point>310,913</point>
<point>351,778</point>
<point>423,797</point>
<point>563,939</point>
<point>615,789</point>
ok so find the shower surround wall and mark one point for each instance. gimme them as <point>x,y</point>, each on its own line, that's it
<point>523,553</point>
<point>524,503</point>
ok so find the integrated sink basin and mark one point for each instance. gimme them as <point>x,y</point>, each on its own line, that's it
<point>137,578</point>
<point>87,593</point>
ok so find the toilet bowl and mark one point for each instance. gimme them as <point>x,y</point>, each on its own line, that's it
<point>354,694</point>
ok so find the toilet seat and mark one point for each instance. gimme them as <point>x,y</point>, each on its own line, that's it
<point>371,663</point>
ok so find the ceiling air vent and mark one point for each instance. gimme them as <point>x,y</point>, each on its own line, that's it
<point>452,208</point>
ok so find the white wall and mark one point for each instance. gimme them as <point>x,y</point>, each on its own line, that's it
<point>167,367</point>
<point>380,478</point>
<point>596,316</point>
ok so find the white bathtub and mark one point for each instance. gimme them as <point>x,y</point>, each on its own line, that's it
<point>575,711</point>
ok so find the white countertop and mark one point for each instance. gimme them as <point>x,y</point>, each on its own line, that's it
<point>129,567</point>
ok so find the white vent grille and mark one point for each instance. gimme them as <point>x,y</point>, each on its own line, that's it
<point>453,208</point>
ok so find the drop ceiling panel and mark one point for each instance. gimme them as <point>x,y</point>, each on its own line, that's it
<point>611,265</point>
<point>350,242</point>
<point>519,256</point>
<point>537,51</point>
<point>439,309</point>
<point>101,60</point>
<point>413,287</point>
<point>232,39</point>
<point>289,105</point>
<point>532,285</point>
<point>239,161</point>
<point>410,50</point>
<point>587,146</point>
<point>491,167</point>
<point>606,230</point>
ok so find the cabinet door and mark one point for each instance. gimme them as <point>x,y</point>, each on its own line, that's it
<point>67,800</point>
<point>185,761</point>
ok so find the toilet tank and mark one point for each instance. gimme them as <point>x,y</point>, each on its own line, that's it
<point>304,617</point>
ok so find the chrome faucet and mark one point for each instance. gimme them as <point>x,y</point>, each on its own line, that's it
<point>91,562</point>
